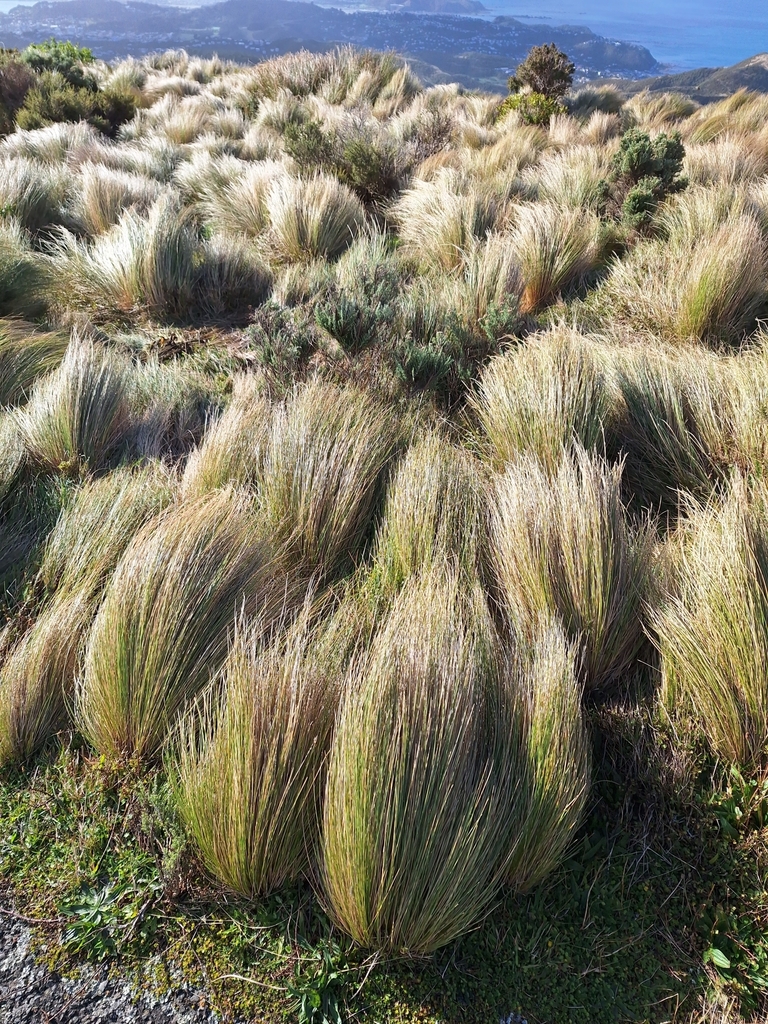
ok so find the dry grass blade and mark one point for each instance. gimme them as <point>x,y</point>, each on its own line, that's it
<point>163,627</point>
<point>561,547</point>
<point>78,416</point>
<point>422,775</point>
<point>250,773</point>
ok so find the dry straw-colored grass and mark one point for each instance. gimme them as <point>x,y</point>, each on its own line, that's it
<point>712,626</point>
<point>562,548</point>
<point>544,396</point>
<point>163,627</point>
<point>250,773</point>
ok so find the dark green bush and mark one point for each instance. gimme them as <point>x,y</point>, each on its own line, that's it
<point>533,107</point>
<point>359,317</point>
<point>54,99</point>
<point>360,163</point>
<point>546,70</point>
<point>645,171</point>
<point>309,145</point>
<point>64,58</point>
<point>280,340</point>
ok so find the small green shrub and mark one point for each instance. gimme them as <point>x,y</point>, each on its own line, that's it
<point>531,107</point>
<point>645,171</point>
<point>53,99</point>
<point>16,79</point>
<point>64,58</point>
<point>546,70</point>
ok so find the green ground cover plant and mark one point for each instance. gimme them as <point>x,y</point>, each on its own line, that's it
<point>383,531</point>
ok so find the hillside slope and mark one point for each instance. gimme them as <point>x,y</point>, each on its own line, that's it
<point>709,84</point>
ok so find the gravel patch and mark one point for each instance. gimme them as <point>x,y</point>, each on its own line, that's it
<point>30,993</point>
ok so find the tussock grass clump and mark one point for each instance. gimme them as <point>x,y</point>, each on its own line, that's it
<point>105,193</point>
<point>556,777</point>
<point>542,397</point>
<point>712,630</point>
<point>323,472</point>
<point>250,774</point>
<point>141,263</point>
<point>555,249</point>
<point>232,450</point>
<point>162,629</point>
<point>157,265</point>
<point>707,288</point>
<point>97,525</point>
<point>35,194</point>
<point>561,547</point>
<point>433,513</point>
<point>422,775</point>
<point>440,219</point>
<point>673,424</point>
<point>23,275</point>
<point>239,205</point>
<point>25,355</point>
<point>312,217</point>
<point>50,145</point>
<point>573,178</point>
<point>78,416</point>
<point>90,535</point>
<point>35,678</point>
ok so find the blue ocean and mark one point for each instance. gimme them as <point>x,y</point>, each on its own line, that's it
<point>681,33</point>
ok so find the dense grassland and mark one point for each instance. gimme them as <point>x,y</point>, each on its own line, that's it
<point>384,562</point>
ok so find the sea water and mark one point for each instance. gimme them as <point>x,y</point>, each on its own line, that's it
<point>683,34</point>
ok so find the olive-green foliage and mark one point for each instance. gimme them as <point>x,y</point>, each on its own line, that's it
<point>26,355</point>
<point>531,107</point>
<point>546,70</point>
<point>23,275</point>
<point>645,171</point>
<point>16,79</point>
<point>53,99</point>
<point>65,58</point>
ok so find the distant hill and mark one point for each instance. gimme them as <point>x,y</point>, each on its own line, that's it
<point>442,38</point>
<point>709,84</point>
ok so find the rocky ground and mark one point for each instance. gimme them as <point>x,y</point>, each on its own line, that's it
<point>30,993</point>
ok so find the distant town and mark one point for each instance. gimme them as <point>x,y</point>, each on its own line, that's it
<point>476,51</point>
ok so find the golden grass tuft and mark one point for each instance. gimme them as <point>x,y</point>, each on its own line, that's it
<point>562,548</point>
<point>163,627</point>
